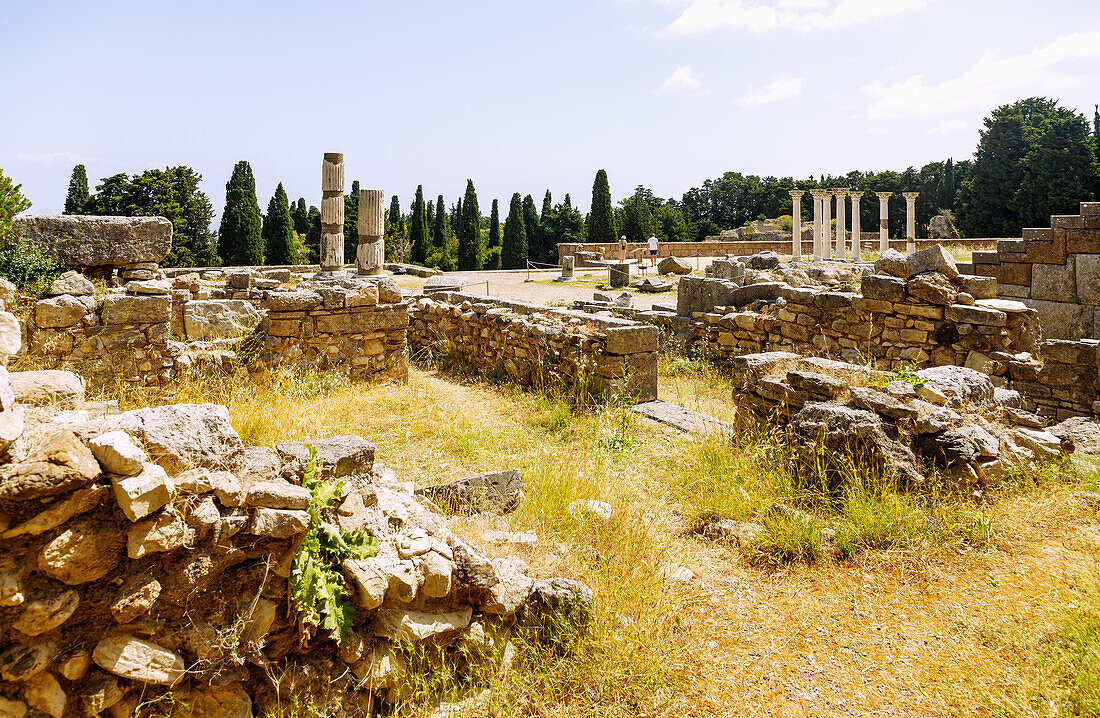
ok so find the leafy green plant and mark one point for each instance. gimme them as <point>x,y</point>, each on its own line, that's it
<point>316,587</point>
<point>907,373</point>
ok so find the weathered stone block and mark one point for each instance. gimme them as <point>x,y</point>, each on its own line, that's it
<point>975,315</point>
<point>1054,282</point>
<point>124,309</point>
<point>628,340</point>
<point>91,241</point>
<point>140,495</point>
<point>883,287</point>
<point>1088,279</point>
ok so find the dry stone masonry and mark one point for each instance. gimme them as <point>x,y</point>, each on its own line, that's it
<point>531,344</point>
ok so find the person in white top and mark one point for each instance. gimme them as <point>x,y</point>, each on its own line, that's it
<point>652,250</point>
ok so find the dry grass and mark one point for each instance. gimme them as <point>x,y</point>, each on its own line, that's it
<point>935,625</point>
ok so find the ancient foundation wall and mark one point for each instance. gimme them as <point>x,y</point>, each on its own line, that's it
<point>893,323</point>
<point>530,343</point>
<point>353,331</point>
<point>1055,270</point>
<point>1066,384</point>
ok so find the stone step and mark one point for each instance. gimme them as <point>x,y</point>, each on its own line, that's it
<point>686,420</point>
<point>985,257</point>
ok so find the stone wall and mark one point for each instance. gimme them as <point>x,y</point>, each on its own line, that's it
<point>1055,270</point>
<point>358,330</point>
<point>136,244</point>
<point>530,344</point>
<point>1066,384</point>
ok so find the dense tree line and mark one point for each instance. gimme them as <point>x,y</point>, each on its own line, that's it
<point>1034,159</point>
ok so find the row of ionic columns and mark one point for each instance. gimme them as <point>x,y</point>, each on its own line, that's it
<point>824,236</point>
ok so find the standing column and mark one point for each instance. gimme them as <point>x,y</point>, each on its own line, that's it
<point>827,224</point>
<point>796,224</point>
<point>857,245</point>
<point>883,220</point>
<point>332,213</point>
<point>910,221</point>
<point>816,194</point>
<point>371,251</point>
<point>841,234</point>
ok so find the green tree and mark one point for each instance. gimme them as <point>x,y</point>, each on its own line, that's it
<point>495,246</point>
<point>418,229</point>
<point>532,228</point>
<point>239,240</point>
<point>1096,124</point>
<point>31,269</point>
<point>313,235</point>
<point>78,195</point>
<point>441,230</point>
<point>601,221</point>
<point>547,207</point>
<point>947,187</point>
<point>514,252</point>
<point>278,230</point>
<point>351,222</point>
<point>670,224</point>
<point>637,216</point>
<point>300,215</point>
<point>470,253</point>
<point>395,231</point>
<point>1059,169</point>
<point>12,202</point>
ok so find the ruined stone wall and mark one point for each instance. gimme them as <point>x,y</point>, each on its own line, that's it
<point>1066,383</point>
<point>893,322</point>
<point>1055,270</point>
<point>529,343</point>
<point>358,331</point>
<point>121,337</point>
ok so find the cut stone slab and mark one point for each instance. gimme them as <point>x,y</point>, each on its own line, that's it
<point>497,493</point>
<point>139,660</point>
<point>140,495</point>
<point>118,454</point>
<point>443,283</point>
<point>91,241</point>
<point>219,318</point>
<point>179,437</point>
<point>48,387</point>
<point>686,420</point>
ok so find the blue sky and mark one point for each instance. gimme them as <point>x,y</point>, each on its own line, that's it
<point>520,96</point>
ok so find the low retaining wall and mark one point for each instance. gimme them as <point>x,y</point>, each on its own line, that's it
<point>1067,382</point>
<point>530,343</point>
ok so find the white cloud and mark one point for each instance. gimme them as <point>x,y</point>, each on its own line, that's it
<point>877,131</point>
<point>702,16</point>
<point>50,158</point>
<point>1070,61</point>
<point>783,88</point>
<point>682,79</point>
<point>948,127</point>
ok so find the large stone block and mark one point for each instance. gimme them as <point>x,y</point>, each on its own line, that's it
<point>219,318</point>
<point>1063,320</point>
<point>90,241</point>
<point>629,340</point>
<point>149,309</point>
<point>1054,282</point>
<point>1088,280</point>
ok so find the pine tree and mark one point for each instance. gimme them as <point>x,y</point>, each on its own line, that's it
<point>77,197</point>
<point>514,253</point>
<point>418,229</point>
<point>470,254</point>
<point>239,240</point>
<point>568,204</point>
<point>601,221</point>
<point>351,222</point>
<point>439,226</point>
<point>278,230</point>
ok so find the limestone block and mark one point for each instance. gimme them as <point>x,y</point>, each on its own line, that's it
<point>1063,320</point>
<point>179,437</point>
<point>149,286</point>
<point>931,259</point>
<point>278,523</point>
<point>71,282</point>
<point>277,495</point>
<point>60,463</point>
<point>118,454</point>
<point>372,213</point>
<point>76,503</point>
<point>219,319</point>
<point>12,709</point>
<point>47,612</point>
<point>511,591</point>
<point>332,210</point>
<point>135,598</point>
<point>296,301</point>
<point>632,339</point>
<point>976,315</point>
<point>883,287</point>
<point>45,694</point>
<point>86,551</point>
<point>436,570</point>
<point>337,456</point>
<point>164,532</point>
<point>138,660</point>
<point>91,241</point>
<point>142,494</point>
<point>76,666</point>
<point>60,312</point>
<point>1054,282</point>
<point>413,626</point>
<point>369,579</point>
<point>49,387</point>
<point>126,309</point>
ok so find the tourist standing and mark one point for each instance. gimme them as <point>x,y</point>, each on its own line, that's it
<point>622,249</point>
<point>653,246</point>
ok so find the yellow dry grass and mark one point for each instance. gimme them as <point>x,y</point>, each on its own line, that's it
<point>932,629</point>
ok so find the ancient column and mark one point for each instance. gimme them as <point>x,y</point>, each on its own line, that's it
<point>816,194</point>
<point>827,223</point>
<point>883,220</point>
<point>910,221</point>
<point>857,246</point>
<point>370,254</point>
<point>841,234</point>
<point>332,213</point>
<point>796,224</point>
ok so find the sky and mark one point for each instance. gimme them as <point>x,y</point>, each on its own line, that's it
<point>517,95</point>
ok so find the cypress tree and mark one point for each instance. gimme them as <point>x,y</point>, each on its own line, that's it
<point>239,240</point>
<point>395,228</point>
<point>313,234</point>
<point>278,230</point>
<point>601,222</point>
<point>300,215</point>
<point>532,228</point>
<point>77,198</point>
<point>418,229</point>
<point>947,188</point>
<point>514,253</point>
<point>568,204</point>
<point>547,206</point>
<point>494,226</point>
<point>456,216</point>
<point>351,221</point>
<point>439,226</point>
<point>1096,125</point>
<point>469,231</point>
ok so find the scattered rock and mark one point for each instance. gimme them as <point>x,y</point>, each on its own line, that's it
<point>881,403</point>
<point>48,387</point>
<point>118,454</point>
<point>86,551</point>
<point>582,508</point>
<point>764,260</point>
<point>497,493</point>
<point>892,263</point>
<point>179,437</point>
<point>673,265</point>
<point>960,385</point>
<point>740,532</point>
<point>511,590</point>
<point>931,259</point>
<point>1082,431</point>
<point>566,600</point>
